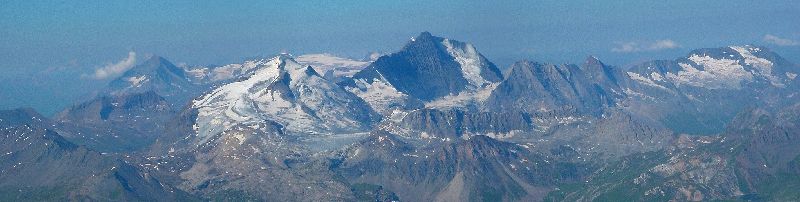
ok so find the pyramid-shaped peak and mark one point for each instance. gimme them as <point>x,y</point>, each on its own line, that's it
<point>283,59</point>
<point>160,65</point>
<point>426,37</point>
<point>592,60</point>
<point>156,60</point>
<point>425,34</point>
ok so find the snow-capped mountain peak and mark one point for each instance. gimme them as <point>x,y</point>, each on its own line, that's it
<point>474,68</point>
<point>761,66</point>
<point>285,92</point>
<point>429,69</point>
<point>718,68</point>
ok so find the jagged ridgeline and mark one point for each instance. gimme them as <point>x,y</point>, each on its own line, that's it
<point>433,121</point>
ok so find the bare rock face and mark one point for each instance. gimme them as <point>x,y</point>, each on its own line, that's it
<point>453,123</point>
<point>479,168</point>
<point>756,158</point>
<point>427,69</point>
<point>615,135</point>
<point>117,123</point>
<point>767,153</point>
<point>259,164</point>
<point>535,87</point>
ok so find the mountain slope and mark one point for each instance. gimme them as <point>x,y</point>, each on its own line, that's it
<point>477,169</point>
<point>115,123</point>
<point>38,164</point>
<point>701,92</point>
<point>425,69</point>
<point>756,159</point>
<point>434,121</point>
<point>250,138</point>
<point>288,93</point>
<point>157,75</point>
<point>536,87</point>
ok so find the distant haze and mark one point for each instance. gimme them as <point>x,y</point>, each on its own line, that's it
<point>54,53</point>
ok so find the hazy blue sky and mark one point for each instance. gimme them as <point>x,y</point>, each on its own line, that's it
<point>48,47</point>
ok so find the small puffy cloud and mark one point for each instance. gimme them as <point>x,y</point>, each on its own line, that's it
<point>663,44</point>
<point>630,47</point>
<point>115,69</point>
<point>772,39</point>
<point>626,47</point>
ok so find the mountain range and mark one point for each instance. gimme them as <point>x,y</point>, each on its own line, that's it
<point>433,121</point>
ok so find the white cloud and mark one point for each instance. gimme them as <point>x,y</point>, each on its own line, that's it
<point>630,47</point>
<point>626,47</point>
<point>115,69</point>
<point>663,44</point>
<point>769,38</point>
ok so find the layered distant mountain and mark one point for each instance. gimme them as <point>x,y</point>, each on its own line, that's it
<point>702,92</point>
<point>124,122</point>
<point>157,75</point>
<point>433,121</point>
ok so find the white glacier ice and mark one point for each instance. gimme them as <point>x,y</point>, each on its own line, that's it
<point>279,90</point>
<point>761,65</point>
<point>468,57</point>
<point>716,73</point>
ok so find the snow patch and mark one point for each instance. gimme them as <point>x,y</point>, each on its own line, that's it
<point>310,105</point>
<point>501,135</point>
<point>463,98</point>
<point>329,59</point>
<point>240,137</point>
<point>137,81</point>
<point>232,71</point>
<point>197,73</point>
<point>379,94</point>
<point>656,76</point>
<point>763,66</point>
<point>716,73</point>
<point>644,80</point>
<point>791,75</point>
<point>326,62</point>
<point>468,57</point>
<point>638,94</point>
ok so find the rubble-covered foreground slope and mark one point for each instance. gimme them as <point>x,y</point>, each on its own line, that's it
<point>757,158</point>
<point>37,164</point>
